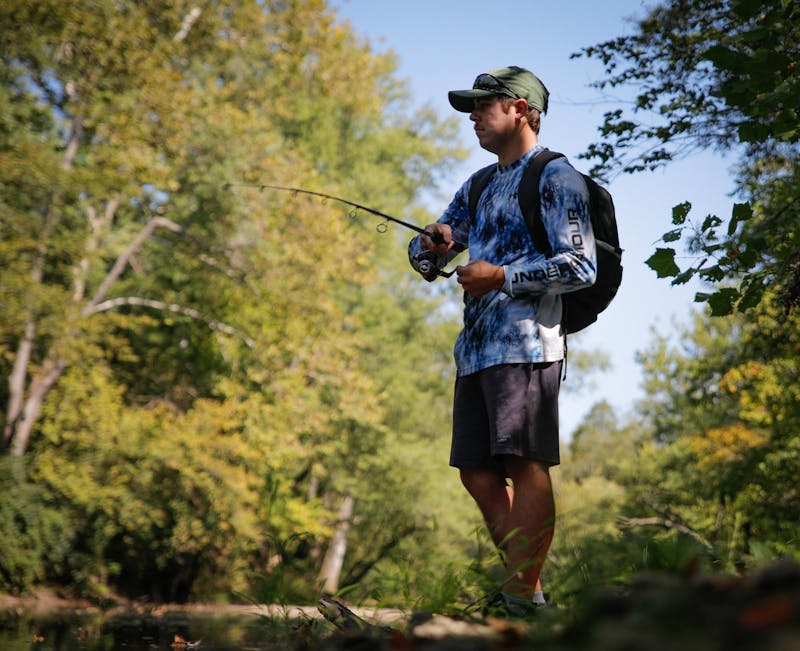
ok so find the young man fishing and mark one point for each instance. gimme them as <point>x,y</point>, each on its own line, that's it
<point>510,352</point>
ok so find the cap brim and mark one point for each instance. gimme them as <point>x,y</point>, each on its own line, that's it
<point>464,100</point>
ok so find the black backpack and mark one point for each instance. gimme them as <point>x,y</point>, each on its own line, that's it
<point>582,306</point>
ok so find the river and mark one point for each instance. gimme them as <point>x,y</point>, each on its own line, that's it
<point>85,629</point>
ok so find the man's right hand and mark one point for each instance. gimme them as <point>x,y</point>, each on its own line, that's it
<point>446,234</point>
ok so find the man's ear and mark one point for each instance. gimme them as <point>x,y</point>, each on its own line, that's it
<point>521,108</point>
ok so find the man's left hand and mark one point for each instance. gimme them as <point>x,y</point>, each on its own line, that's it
<point>480,277</point>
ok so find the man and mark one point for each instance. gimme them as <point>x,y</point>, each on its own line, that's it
<point>511,349</point>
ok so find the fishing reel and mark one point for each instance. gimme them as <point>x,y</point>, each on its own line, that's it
<point>425,263</point>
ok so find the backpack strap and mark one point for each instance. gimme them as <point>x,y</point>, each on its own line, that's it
<point>479,182</point>
<point>528,196</point>
<point>529,199</point>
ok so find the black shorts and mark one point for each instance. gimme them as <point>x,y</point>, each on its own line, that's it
<point>510,409</point>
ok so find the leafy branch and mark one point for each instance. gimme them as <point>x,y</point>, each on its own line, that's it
<point>718,257</point>
<point>721,76</point>
<point>175,308</point>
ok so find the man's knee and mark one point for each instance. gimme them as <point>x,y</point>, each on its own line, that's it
<point>523,471</point>
<point>482,484</point>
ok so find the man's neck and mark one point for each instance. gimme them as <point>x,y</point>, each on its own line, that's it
<point>517,148</point>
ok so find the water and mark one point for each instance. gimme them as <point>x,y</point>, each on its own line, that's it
<point>174,631</point>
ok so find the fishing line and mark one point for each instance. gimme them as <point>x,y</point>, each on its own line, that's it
<point>381,228</point>
<point>427,260</point>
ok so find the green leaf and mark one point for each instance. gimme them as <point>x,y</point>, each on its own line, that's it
<point>741,212</point>
<point>752,131</point>
<point>751,296</point>
<point>673,235</point>
<point>712,248</point>
<point>723,57</point>
<point>713,274</point>
<point>723,301</point>
<point>684,277</point>
<point>745,9</point>
<point>680,212</point>
<point>663,263</point>
<point>711,221</point>
<point>748,259</point>
<point>789,134</point>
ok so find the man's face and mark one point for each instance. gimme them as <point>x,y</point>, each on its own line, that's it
<point>494,125</point>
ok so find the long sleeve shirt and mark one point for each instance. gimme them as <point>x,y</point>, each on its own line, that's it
<point>521,322</point>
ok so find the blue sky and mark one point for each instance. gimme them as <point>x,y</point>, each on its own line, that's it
<point>443,44</point>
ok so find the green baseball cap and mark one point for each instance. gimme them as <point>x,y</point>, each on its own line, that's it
<point>512,81</point>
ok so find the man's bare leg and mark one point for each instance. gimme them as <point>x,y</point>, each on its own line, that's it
<point>529,524</point>
<point>516,528</point>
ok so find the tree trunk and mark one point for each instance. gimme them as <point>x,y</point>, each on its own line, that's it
<point>21,412</point>
<point>334,557</point>
<point>39,387</point>
<point>25,403</point>
<point>16,382</point>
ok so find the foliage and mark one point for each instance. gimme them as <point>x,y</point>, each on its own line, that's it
<point>197,371</point>
<point>37,536</point>
<point>724,408</point>
<point>703,478</point>
<point>715,74</point>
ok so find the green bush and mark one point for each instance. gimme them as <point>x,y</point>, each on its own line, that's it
<point>36,533</point>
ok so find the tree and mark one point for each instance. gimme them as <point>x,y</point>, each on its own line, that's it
<point>715,74</point>
<point>724,410</point>
<point>185,354</point>
<point>93,179</point>
<point>591,496</point>
<point>703,475</point>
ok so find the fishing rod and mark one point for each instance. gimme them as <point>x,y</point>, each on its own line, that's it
<point>425,260</point>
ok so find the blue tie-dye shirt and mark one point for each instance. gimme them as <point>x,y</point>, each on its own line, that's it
<point>521,322</point>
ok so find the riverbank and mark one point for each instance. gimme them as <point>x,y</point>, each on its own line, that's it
<point>759,611</point>
<point>198,625</point>
<point>44,603</point>
<point>44,617</point>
